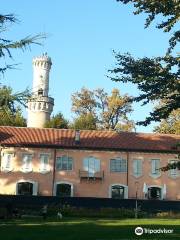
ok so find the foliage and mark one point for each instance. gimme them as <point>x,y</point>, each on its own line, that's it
<point>109,111</point>
<point>69,211</point>
<point>170,125</point>
<point>84,121</point>
<point>169,9</point>
<point>7,45</point>
<point>8,100</point>
<point>155,78</point>
<point>10,112</point>
<point>15,119</point>
<point>57,121</point>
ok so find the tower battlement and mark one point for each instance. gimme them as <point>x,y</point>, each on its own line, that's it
<point>42,61</point>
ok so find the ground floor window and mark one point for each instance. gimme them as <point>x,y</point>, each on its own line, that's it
<point>118,191</point>
<point>64,189</point>
<point>154,193</point>
<point>25,188</point>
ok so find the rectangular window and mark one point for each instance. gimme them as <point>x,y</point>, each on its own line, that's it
<point>7,162</point>
<point>64,163</point>
<point>27,163</point>
<point>44,163</point>
<point>118,165</point>
<point>173,172</point>
<point>137,167</point>
<point>155,165</point>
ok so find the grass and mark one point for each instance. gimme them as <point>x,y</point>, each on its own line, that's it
<point>86,229</point>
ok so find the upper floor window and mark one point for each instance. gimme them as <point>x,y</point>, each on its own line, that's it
<point>44,163</point>
<point>64,163</point>
<point>173,171</point>
<point>91,165</point>
<point>155,168</point>
<point>27,163</point>
<point>118,165</point>
<point>137,167</point>
<point>6,165</point>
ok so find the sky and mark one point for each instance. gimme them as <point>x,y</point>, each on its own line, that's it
<point>81,36</point>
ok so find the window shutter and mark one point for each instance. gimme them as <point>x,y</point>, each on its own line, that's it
<point>173,172</point>
<point>44,163</point>
<point>153,165</point>
<point>35,188</point>
<point>27,163</point>
<point>135,171</point>
<point>7,162</point>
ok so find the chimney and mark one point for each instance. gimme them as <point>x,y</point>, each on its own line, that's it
<point>77,136</point>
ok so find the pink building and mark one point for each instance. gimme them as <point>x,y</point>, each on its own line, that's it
<point>104,164</point>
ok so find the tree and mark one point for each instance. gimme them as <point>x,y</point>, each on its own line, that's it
<point>8,100</point>
<point>7,45</point>
<point>85,122</point>
<point>108,111</point>
<point>169,9</point>
<point>156,79</point>
<point>170,125</point>
<point>57,121</point>
<point>9,119</point>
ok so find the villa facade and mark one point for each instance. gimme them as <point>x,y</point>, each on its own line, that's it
<point>103,164</point>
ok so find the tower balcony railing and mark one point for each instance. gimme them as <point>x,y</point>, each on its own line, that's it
<point>88,175</point>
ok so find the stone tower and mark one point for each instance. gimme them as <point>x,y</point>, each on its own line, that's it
<point>40,105</point>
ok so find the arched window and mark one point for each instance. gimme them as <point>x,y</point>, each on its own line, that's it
<point>91,165</point>
<point>118,191</point>
<point>64,189</point>
<point>26,188</point>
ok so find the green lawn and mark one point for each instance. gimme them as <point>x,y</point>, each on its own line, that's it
<point>86,229</point>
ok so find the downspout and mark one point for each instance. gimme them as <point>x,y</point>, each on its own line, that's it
<point>54,172</point>
<point>127,179</point>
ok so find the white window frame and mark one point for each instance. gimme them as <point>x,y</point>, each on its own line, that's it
<point>23,168</point>
<point>121,185</point>
<point>87,167</point>
<point>41,168</point>
<point>134,165</point>
<point>118,159</point>
<point>35,186</point>
<point>64,182</point>
<point>4,167</point>
<point>152,173</point>
<point>173,173</point>
<point>58,169</point>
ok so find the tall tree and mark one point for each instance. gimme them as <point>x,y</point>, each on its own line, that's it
<point>8,100</point>
<point>108,110</point>
<point>16,119</point>
<point>57,121</point>
<point>169,9</point>
<point>157,78</point>
<point>170,125</point>
<point>85,122</point>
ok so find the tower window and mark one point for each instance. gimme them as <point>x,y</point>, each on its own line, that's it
<point>40,92</point>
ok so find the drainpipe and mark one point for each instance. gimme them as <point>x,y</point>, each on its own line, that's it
<point>127,180</point>
<point>54,172</point>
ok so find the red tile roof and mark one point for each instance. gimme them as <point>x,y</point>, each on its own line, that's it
<point>107,140</point>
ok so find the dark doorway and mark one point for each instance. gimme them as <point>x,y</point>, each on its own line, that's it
<point>154,193</point>
<point>63,190</point>
<point>25,188</point>
<point>118,192</point>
